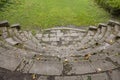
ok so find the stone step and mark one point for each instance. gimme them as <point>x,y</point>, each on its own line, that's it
<point>86,39</point>
<point>6,45</point>
<point>101,76</point>
<point>2,50</point>
<point>47,68</point>
<point>107,34</point>
<point>11,41</point>
<point>43,78</point>
<point>65,28</point>
<point>115,25</point>
<point>81,67</point>
<point>103,31</point>
<point>102,48</point>
<point>20,35</point>
<point>103,65</point>
<point>93,28</point>
<point>68,78</point>
<point>114,74</point>
<point>62,36</point>
<point>98,35</point>
<point>17,76</point>
<point>16,26</point>
<point>4,32</point>
<point>4,24</point>
<point>9,63</point>
<point>115,59</point>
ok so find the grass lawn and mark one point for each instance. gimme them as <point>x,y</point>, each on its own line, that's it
<point>49,13</point>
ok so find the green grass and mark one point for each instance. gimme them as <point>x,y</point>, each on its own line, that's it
<point>113,6</point>
<point>49,13</point>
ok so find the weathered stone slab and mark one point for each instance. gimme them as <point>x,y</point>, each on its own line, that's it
<point>5,35</point>
<point>102,25</point>
<point>81,67</point>
<point>74,34</point>
<point>68,39</point>
<point>22,35</point>
<point>45,39</point>
<point>115,74</point>
<point>103,31</point>
<point>102,65</point>
<point>59,34</point>
<point>101,76</point>
<point>16,39</point>
<point>68,78</point>
<point>17,26</point>
<point>93,28</point>
<point>42,78</point>
<point>11,41</point>
<point>54,39</point>
<point>117,28</point>
<point>115,59</point>
<point>18,53</point>
<point>45,35</point>
<point>98,56</point>
<point>6,46</point>
<point>2,49</point>
<point>38,36</point>
<point>19,36</point>
<point>4,24</point>
<point>10,53</point>
<point>47,68</point>
<point>53,43</point>
<point>32,47</point>
<point>97,33</point>
<point>113,23</point>
<point>16,76</point>
<point>9,63</point>
<point>52,35</point>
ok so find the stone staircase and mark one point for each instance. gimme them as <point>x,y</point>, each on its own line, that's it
<point>60,53</point>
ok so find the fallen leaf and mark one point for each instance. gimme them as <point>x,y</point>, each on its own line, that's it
<point>111,41</point>
<point>34,76</point>
<point>66,60</point>
<point>38,58</point>
<point>40,54</point>
<point>99,69</point>
<point>87,56</point>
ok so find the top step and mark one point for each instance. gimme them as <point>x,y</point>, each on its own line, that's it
<point>4,24</point>
<point>113,23</point>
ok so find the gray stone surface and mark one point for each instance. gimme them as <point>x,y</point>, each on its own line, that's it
<point>101,76</point>
<point>81,67</point>
<point>42,78</point>
<point>115,59</point>
<point>11,41</point>
<point>68,78</point>
<point>9,63</point>
<point>47,68</point>
<point>115,74</point>
<point>102,65</point>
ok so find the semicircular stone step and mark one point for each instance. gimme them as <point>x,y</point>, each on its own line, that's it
<point>61,53</point>
<point>61,36</point>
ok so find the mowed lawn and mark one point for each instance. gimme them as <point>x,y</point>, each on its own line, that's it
<point>50,13</point>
